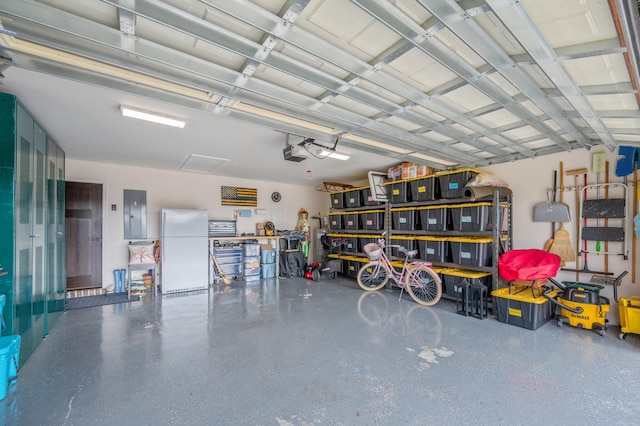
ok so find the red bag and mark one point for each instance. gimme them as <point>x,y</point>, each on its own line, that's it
<point>528,264</point>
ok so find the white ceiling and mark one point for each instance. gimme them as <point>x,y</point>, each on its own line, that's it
<point>438,82</point>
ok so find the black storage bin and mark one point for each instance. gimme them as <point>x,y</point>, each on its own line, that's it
<point>407,243</point>
<point>433,218</point>
<point>337,200</point>
<point>471,251</point>
<point>351,221</point>
<point>373,220</point>
<point>425,189</point>
<point>452,183</point>
<point>367,198</point>
<point>398,192</point>
<point>363,240</point>
<point>404,219</point>
<point>352,245</point>
<point>353,198</point>
<point>335,221</point>
<point>471,216</point>
<point>453,283</point>
<point>350,267</point>
<point>434,250</point>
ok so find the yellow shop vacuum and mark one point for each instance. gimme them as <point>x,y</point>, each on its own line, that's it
<point>581,305</point>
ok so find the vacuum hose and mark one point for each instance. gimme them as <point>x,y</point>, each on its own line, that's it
<point>548,290</point>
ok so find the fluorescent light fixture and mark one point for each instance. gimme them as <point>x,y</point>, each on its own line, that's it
<point>252,109</point>
<point>333,154</point>
<point>151,116</point>
<point>430,158</point>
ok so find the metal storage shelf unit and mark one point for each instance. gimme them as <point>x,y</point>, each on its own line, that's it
<point>492,231</point>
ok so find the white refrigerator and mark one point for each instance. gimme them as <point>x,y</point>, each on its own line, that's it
<point>184,250</point>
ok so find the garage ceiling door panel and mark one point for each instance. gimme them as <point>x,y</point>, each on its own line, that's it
<point>286,80</point>
<point>573,22</point>
<point>491,25</point>
<point>405,125</point>
<point>479,79</point>
<point>497,118</point>
<point>533,108</point>
<point>354,106</point>
<point>504,84</point>
<point>461,49</point>
<point>612,102</point>
<point>427,113</point>
<point>608,69</point>
<point>467,98</point>
<point>419,68</point>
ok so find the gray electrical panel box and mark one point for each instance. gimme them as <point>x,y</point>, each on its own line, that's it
<point>135,214</point>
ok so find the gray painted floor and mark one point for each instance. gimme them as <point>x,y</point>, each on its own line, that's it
<point>298,352</point>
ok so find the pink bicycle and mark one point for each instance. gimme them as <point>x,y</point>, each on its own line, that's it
<point>421,282</point>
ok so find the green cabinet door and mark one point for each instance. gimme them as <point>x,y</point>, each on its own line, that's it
<point>23,285</point>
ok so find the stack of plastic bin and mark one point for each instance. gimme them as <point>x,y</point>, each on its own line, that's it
<point>268,263</point>
<point>9,356</point>
<point>251,261</point>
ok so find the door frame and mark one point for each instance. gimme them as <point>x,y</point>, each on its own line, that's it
<point>104,221</point>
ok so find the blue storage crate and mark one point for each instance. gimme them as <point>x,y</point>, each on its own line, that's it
<point>251,249</point>
<point>268,256</point>
<point>267,270</point>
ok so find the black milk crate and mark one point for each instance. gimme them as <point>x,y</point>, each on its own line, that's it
<point>404,219</point>
<point>367,197</point>
<point>452,183</point>
<point>398,192</point>
<point>351,220</point>
<point>471,251</point>
<point>335,221</point>
<point>409,243</point>
<point>353,198</point>
<point>471,216</point>
<point>350,267</point>
<point>373,220</point>
<point>337,200</point>
<point>434,218</point>
<point>453,279</point>
<point>433,249</point>
<point>425,189</point>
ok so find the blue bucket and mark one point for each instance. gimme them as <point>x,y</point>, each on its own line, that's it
<point>9,361</point>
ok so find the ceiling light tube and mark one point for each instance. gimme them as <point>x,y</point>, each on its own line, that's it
<point>151,116</point>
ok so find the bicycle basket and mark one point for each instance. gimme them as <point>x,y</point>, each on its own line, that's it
<point>372,250</point>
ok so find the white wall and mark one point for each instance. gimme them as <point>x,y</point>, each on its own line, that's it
<point>168,189</point>
<point>529,181</point>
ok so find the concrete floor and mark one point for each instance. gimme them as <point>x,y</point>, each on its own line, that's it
<point>297,352</point>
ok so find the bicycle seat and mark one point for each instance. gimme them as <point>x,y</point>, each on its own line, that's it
<point>410,253</point>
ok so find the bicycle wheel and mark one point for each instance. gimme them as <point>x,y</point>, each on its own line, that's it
<point>423,285</point>
<point>372,276</point>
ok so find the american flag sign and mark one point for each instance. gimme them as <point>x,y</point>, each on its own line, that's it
<point>234,196</point>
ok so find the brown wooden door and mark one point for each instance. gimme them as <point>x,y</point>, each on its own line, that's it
<point>83,224</point>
